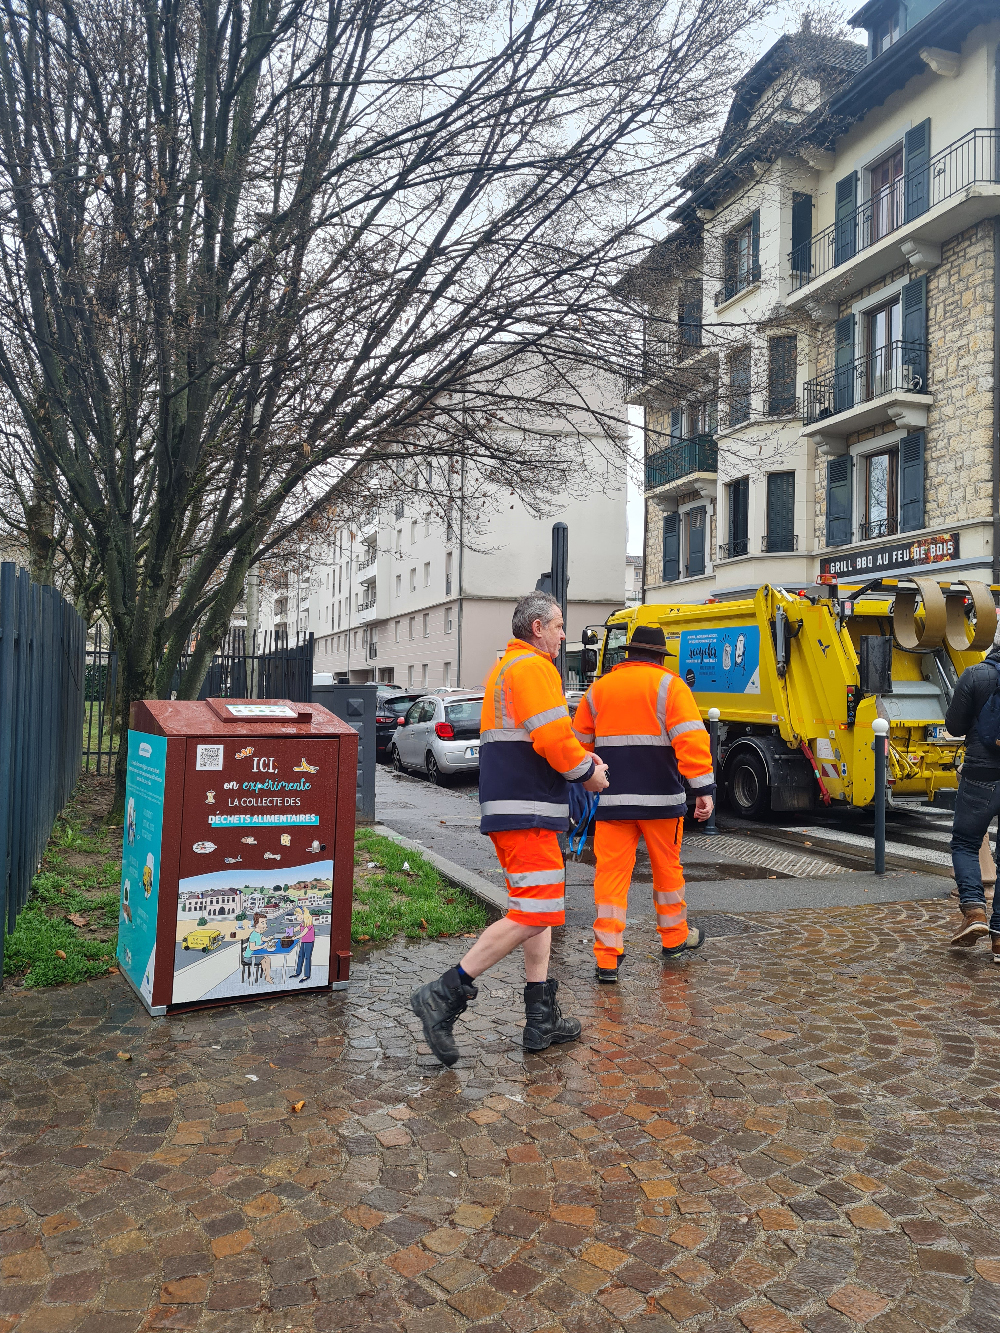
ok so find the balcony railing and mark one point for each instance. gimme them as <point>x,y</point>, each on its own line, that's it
<point>367,604</point>
<point>729,551</point>
<point>400,508</point>
<point>772,544</point>
<point>367,561</point>
<point>898,367</point>
<point>878,527</point>
<point>699,453</point>
<point>968,161</point>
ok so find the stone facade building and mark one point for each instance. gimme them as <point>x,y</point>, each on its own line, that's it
<point>820,327</point>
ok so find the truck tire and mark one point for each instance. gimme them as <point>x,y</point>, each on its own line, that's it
<point>747,790</point>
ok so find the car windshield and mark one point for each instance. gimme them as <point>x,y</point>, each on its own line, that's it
<point>465,714</point>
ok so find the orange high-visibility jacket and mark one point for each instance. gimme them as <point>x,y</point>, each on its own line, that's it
<point>644,723</point>
<point>527,750</point>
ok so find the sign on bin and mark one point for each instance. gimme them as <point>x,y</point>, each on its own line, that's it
<point>252,897</point>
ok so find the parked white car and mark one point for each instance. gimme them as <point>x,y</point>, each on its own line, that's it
<point>439,735</point>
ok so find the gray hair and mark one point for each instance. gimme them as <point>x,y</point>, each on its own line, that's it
<point>536,606</point>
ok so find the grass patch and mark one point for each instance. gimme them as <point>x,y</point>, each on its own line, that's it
<point>417,903</point>
<point>80,877</point>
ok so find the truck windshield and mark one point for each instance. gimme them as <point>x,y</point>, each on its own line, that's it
<point>614,646</point>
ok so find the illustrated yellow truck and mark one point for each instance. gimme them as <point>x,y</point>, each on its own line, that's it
<point>799,677</point>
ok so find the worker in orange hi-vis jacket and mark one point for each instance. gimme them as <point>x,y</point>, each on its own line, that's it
<point>528,755</point>
<point>645,722</point>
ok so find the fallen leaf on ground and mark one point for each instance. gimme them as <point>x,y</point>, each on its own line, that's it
<point>297,1106</point>
<point>423,924</point>
<point>60,954</point>
<point>124,1055</point>
<point>78,919</point>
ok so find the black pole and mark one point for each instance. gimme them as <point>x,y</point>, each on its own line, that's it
<point>881,730</point>
<point>560,582</point>
<point>713,736</point>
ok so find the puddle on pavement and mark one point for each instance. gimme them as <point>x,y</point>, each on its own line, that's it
<point>698,872</point>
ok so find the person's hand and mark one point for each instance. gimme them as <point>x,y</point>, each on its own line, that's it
<point>703,807</point>
<point>599,779</point>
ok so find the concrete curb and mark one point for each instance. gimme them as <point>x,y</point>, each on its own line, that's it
<point>465,879</point>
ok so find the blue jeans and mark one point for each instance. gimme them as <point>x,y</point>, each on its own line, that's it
<point>305,962</point>
<point>977,806</point>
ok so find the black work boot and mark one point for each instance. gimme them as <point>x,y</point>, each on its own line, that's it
<point>437,1005</point>
<point>545,1023</point>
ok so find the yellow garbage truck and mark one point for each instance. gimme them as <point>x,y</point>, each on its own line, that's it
<point>799,677</point>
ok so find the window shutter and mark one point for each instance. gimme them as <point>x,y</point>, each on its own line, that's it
<point>781,511</point>
<point>843,376</point>
<point>781,367</point>
<point>914,324</point>
<point>671,548</point>
<point>732,264</point>
<point>675,425</point>
<point>755,246</point>
<point>911,482</point>
<point>838,500</point>
<point>696,541</point>
<point>845,240</point>
<point>802,225</point>
<point>917,169</point>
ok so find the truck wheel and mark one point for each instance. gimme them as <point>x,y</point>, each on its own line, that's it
<point>747,790</point>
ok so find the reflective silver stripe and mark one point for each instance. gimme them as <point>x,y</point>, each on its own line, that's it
<point>578,770</point>
<point>641,739</point>
<point>529,878</point>
<point>547,809</point>
<point>504,734</point>
<point>610,912</point>
<point>643,798</point>
<point>583,736</point>
<point>536,904</point>
<point>499,710</point>
<point>588,699</point>
<point>665,896</point>
<point>670,916</point>
<point>695,724</point>
<point>611,939</point>
<point>662,695</point>
<point>540,719</point>
<point>706,780</point>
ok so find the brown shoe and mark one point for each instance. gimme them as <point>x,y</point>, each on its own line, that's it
<point>973,928</point>
<point>996,948</point>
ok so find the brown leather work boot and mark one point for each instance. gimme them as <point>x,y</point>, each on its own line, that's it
<point>996,948</point>
<point>973,928</point>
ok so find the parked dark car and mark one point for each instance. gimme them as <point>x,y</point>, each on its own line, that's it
<point>391,706</point>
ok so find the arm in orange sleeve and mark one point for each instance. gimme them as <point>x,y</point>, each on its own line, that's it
<point>687,734</point>
<point>585,724</point>
<point>541,705</point>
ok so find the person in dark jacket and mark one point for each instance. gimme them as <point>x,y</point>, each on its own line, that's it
<point>978,801</point>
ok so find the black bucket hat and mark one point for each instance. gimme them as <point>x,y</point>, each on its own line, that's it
<point>649,639</point>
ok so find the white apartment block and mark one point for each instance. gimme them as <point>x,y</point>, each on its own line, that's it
<point>412,598</point>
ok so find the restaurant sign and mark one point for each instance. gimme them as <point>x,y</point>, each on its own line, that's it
<point>877,560</point>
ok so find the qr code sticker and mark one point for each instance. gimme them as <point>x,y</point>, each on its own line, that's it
<point>209,756</point>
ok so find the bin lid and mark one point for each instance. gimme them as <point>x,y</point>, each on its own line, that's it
<point>235,717</point>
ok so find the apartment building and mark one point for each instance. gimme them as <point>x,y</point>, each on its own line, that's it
<point>419,597</point>
<point>820,326</point>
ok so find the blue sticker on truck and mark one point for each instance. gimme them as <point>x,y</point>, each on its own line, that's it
<point>721,661</point>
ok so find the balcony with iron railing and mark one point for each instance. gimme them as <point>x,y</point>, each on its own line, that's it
<point>911,208</point>
<point>878,386</point>
<point>367,559</point>
<point>878,527</point>
<point>731,550</point>
<point>777,543</point>
<point>663,356</point>
<point>680,459</point>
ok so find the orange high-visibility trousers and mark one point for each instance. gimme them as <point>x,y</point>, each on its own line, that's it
<point>615,843</point>
<point>536,875</point>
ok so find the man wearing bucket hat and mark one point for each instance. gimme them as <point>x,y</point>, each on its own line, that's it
<point>644,719</point>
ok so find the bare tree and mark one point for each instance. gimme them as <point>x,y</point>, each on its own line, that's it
<point>251,248</point>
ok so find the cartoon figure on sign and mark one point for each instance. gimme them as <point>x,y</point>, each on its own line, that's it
<point>727,656</point>
<point>126,909</point>
<point>741,649</point>
<point>305,768</point>
<point>147,875</point>
<point>245,754</point>
<point>210,798</point>
<point>315,846</point>
<point>272,856</point>
<point>130,822</point>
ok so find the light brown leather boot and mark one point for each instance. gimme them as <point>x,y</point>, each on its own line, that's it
<point>973,928</point>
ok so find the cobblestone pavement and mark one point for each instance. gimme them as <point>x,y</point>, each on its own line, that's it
<point>796,1128</point>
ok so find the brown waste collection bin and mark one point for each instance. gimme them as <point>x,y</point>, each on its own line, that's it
<point>238,859</point>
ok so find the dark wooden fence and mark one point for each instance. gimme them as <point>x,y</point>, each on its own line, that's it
<point>42,650</point>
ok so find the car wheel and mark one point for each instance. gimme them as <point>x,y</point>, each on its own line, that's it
<point>747,790</point>
<point>434,772</point>
<point>187,946</point>
<point>397,763</point>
